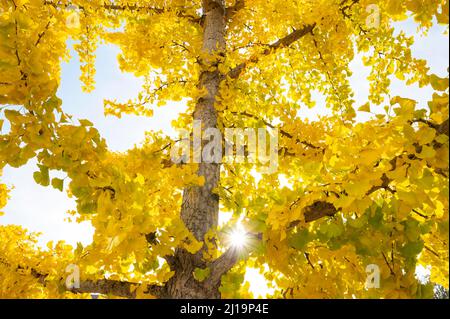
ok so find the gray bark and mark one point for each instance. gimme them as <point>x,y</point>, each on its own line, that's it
<point>200,208</point>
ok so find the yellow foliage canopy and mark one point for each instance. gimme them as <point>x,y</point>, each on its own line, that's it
<point>383,182</point>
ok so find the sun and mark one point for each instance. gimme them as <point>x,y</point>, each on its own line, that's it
<point>238,237</point>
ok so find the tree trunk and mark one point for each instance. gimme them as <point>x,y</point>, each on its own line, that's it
<point>200,208</point>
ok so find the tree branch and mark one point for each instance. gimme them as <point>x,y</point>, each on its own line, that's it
<point>347,7</point>
<point>441,129</point>
<point>444,128</point>
<point>116,288</point>
<point>281,43</point>
<point>223,264</point>
<point>103,286</point>
<point>131,7</point>
<point>319,210</point>
<point>232,11</point>
<point>282,132</point>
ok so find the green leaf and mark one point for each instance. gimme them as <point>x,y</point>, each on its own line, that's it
<point>58,184</point>
<point>79,249</point>
<point>53,103</point>
<point>376,218</point>
<point>201,274</point>
<point>331,230</point>
<point>87,207</point>
<point>335,230</point>
<point>412,230</point>
<point>12,115</point>
<point>358,222</point>
<point>86,123</point>
<point>42,177</point>
<point>412,249</point>
<point>257,226</point>
<point>425,291</point>
<point>300,239</point>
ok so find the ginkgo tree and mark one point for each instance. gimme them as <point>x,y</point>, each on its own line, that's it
<point>361,193</point>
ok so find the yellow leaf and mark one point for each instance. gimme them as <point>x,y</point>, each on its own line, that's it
<point>439,84</point>
<point>365,108</point>
<point>427,153</point>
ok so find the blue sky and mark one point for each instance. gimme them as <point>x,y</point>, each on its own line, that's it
<point>43,210</point>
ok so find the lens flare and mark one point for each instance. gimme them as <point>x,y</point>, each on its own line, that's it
<point>238,237</point>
